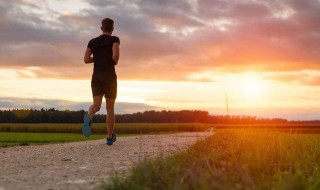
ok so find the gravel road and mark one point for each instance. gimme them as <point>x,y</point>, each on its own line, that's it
<point>83,165</point>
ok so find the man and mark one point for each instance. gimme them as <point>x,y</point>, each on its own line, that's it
<point>105,55</point>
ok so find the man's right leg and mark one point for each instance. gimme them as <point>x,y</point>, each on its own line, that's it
<point>110,116</point>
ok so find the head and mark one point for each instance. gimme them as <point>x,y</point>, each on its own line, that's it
<point>107,25</point>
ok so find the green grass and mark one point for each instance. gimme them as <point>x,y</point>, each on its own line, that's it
<point>23,139</point>
<point>100,128</point>
<point>13,134</point>
<point>233,159</point>
<point>8,139</point>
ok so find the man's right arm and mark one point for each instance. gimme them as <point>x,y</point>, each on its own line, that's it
<point>87,56</point>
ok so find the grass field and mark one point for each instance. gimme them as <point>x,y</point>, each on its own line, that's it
<point>234,159</point>
<point>100,128</point>
<point>23,139</point>
<point>27,134</point>
<point>142,128</point>
<point>12,134</point>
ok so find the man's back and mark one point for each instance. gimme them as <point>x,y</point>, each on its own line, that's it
<point>101,48</point>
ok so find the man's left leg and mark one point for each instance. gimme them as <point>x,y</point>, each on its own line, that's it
<point>95,107</point>
<point>87,119</point>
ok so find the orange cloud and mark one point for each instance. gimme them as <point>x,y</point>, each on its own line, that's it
<point>199,36</point>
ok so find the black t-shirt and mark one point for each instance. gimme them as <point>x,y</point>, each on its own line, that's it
<point>101,48</point>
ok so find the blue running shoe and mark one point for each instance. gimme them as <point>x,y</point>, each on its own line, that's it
<point>112,140</point>
<point>86,128</point>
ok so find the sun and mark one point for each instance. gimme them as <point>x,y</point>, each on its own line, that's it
<point>253,86</point>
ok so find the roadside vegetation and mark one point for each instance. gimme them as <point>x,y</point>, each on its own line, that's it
<point>233,159</point>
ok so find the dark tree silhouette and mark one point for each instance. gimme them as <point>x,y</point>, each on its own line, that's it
<point>53,115</point>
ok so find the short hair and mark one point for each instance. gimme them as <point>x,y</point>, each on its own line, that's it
<point>107,25</point>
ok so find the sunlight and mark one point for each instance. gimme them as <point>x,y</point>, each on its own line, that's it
<point>248,92</point>
<point>252,87</point>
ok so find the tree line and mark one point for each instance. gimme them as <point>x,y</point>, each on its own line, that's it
<point>185,116</point>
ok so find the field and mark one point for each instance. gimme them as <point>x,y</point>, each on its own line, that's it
<point>24,139</point>
<point>234,159</point>
<point>12,134</point>
<point>143,128</point>
<point>100,128</point>
<point>28,134</point>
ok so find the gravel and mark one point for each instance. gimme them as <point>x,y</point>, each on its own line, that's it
<point>83,165</point>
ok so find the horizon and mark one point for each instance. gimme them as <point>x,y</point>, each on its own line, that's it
<point>182,55</point>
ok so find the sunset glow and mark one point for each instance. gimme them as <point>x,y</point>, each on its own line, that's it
<point>253,87</point>
<point>176,55</point>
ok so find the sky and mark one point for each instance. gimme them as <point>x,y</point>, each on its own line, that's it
<point>262,57</point>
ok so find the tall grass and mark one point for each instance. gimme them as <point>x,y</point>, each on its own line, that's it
<point>234,159</point>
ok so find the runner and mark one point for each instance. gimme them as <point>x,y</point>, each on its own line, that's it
<point>105,55</point>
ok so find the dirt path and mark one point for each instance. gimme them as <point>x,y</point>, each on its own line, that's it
<point>83,165</point>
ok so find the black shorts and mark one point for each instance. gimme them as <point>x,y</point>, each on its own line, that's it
<point>104,84</point>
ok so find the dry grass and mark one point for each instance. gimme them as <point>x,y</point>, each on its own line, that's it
<point>234,159</point>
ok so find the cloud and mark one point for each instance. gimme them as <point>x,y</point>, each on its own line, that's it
<point>164,40</point>
<point>33,103</point>
<point>304,77</point>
